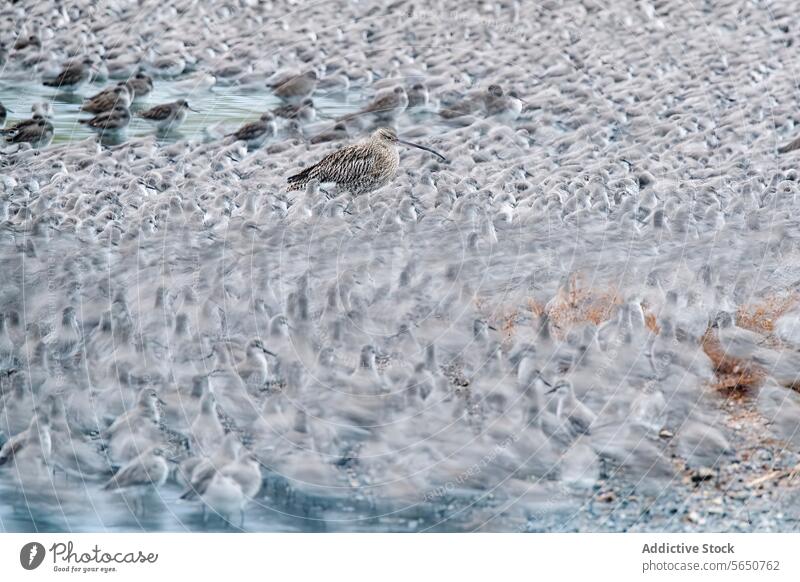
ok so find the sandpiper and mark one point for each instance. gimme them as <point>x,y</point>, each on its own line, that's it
<point>24,42</point>
<point>304,111</point>
<point>359,168</point>
<point>141,475</point>
<point>74,74</point>
<point>168,115</point>
<point>139,85</point>
<point>37,131</point>
<point>295,89</point>
<point>107,99</point>
<point>116,119</point>
<point>386,106</point>
<point>256,133</point>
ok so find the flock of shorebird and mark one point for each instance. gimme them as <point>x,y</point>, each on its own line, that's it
<point>358,168</point>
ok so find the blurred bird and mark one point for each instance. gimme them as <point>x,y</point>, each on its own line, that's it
<point>168,116</point>
<point>297,88</point>
<point>108,99</point>
<point>256,133</point>
<point>116,119</point>
<point>72,77</point>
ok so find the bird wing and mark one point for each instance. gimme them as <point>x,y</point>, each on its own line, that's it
<point>100,102</point>
<point>338,166</point>
<point>98,121</point>
<point>68,76</point>
<point>249,131</point>
<point>11,447</point>
<point>157,113</point>
<point>30,132</point>
<point>133,474</point>
<point>201,477</point>
<point>15,127</point>
<point>791,146</point>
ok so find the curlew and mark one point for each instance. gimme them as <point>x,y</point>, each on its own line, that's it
<point>359,168</point>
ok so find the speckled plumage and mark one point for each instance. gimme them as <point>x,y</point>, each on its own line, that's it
<point>358,168</point>
<point>38,132</point>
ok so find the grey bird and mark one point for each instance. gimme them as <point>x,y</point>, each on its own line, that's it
<point>386,106</point>
<point>303,111</point>
<point>361,167</point>
<point>38,132</point>
<point>107,99</point>
<point>74,74</point>
<point>167,115</point>
<point>144,473</point>
<point>139,85</point>
<point>295,89</point>
<point>256,133</point>
<point>116,119</point>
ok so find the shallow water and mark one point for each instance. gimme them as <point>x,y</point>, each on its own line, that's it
<point>222,108</point>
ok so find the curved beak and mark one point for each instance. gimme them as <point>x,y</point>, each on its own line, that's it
<point>192,109</point>
<point>422,147</point>
<point>266,351</point>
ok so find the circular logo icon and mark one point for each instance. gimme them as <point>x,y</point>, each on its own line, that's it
<point>31,555</point>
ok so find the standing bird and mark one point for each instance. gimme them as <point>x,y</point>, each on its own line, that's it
<point>143,474</point>
<point>168,115</point>
<point>107,99</point>
<point>386,106</point>
<point>256,133</point>
<point>38,132</point>
<point>72,76</point>
<point>115,120</point>
<point>295,89</point>
<point>359,168</point>
<point>139,85</point>
<point>304,111</point>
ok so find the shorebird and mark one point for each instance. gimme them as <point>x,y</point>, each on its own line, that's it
<point>297,88</point>
<point>304,111</point>
<point>107,99</point>
<point>115,120</point>
<point>72,76</point>
<point>37,131</point>
<point>418,96</point>
<point>502,104</point>
<point>359,168</point>
<point>24,42</point>
<point>139,85</point>
<point>575,413</point>
<point>144,473</point>
<point>256,133</point>
<point>386,106</point>
<point>168,115</point>
<point>3,114</point>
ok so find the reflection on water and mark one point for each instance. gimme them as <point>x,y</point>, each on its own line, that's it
<point>86,508</point>
<point>228,106</point>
